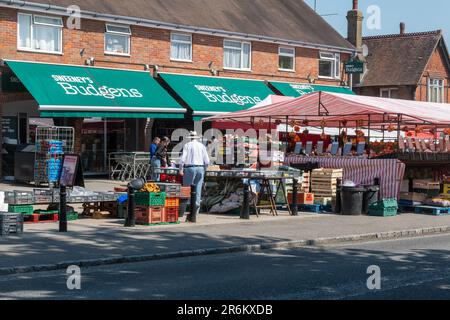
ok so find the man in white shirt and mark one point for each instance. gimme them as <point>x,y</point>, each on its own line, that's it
<point>193,164</point>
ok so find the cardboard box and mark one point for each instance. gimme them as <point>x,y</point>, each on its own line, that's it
<point>302,198</point>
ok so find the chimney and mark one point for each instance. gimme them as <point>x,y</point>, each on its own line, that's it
<point>355,24</point>
<point>402,28</point>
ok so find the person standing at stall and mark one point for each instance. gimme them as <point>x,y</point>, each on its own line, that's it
<point>193,164</point>
<point>161,158</point>
<point>154,146</point>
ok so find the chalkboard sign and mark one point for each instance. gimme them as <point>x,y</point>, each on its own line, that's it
<point>71,171</point>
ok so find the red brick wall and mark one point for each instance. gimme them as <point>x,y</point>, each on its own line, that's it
<point>152,46</point>
<point>435,69</point>
<point>403,92</point>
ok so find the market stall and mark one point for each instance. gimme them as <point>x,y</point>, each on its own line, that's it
<point>373,139</point>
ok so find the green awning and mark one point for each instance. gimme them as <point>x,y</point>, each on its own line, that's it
<point>299,89</point>
<point>208,96</point>
<point>78,91</point>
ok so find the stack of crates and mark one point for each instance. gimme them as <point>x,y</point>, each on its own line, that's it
<point>150,207</point>
<point>384,208</point>
<point>172,203</point>
<point>324,184</point>
<point>11,223</point>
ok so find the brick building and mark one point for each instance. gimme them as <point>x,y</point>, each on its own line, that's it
<point>411,66</point>
<point>221,43</point>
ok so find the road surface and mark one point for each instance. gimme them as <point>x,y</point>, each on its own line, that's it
<point>415,268</point>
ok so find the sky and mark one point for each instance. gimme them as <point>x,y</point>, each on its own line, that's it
<point>418,15</point>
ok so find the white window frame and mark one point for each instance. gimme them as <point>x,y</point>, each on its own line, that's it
<point>436,84</point>
<point>335,59</point>
<point>293,55</point>
<point>118,33</point>
<point>32,23</point>
<point>388,90</point>
<point>242,54</point>
<point>181,41</point>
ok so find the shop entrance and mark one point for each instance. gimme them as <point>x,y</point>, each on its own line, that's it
<point>99,138</point>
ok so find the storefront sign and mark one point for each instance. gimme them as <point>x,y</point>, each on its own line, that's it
<point>300,89</point>
<point>354,67</point>
<point>213,95</point>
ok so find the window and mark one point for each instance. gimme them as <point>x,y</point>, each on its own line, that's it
<point>436,90</point>
<point>237,55</point>
<point>39,33</point>
<point>117,40</point>
<point>330,65</point>
<point>286,61</point>
<point>389,93</point>
<point>181,47</point>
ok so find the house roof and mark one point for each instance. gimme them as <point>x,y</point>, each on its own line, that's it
<point>290,20</point>
<point>400,59</point>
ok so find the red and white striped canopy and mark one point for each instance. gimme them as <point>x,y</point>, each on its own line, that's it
<point>330,109</point>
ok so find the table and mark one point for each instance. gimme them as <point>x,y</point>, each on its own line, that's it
<point>362,171</point>
<point>266,189</point>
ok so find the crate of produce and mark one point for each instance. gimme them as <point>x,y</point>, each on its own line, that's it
<point>149,215</point>
<point>72,216</point>
<point>172,190</point>
<point>185,192</point>
<point>172,202</point>
<point>151,199</point>
<point>24,209</point>
<point>383,212</point>
<point>43,196</point>
<point>171,214</point>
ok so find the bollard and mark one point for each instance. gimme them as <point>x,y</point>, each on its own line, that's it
<point>193,205</point>
<point>338,201</point>
<point>294,205</point>
<point>245,212</point>
<point>62,208</point>
<point>130,221</point>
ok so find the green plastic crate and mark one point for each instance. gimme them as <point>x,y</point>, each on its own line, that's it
<point>24,209</point>
<point>72,216</point>
<point>386,212</point>
<point>46,212</point>
<point>150,199</point>
<point>385,203</point>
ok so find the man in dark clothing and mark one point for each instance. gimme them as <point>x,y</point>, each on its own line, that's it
<point>154,146</point>
<point>161,158</point>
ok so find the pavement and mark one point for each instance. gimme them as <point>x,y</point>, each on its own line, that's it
<point>100,242</point>
<point>414,268</point>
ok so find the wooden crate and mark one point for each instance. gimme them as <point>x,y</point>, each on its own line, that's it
<point>302,198</point>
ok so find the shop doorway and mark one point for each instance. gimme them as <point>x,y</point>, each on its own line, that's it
<point>99,138</point>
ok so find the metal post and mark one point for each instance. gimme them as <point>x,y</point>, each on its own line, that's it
<point>294,206</point>
<point>62,209</point>
<point>245,212</point>
<point>130,221</point>
<point>193,205</point>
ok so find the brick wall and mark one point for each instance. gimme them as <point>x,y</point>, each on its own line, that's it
<point>152,46</point>
<point>435,69</point>
<point>402,92</point>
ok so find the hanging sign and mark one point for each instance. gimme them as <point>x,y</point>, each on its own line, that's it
<point>354,67</point>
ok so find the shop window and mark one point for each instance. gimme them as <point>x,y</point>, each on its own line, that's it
<point>237,55</point>
<point>117,40</point>
<point>435,90</point>
<point>39,33</point>
<point>330,65</point>
<point>181,47</point>
<point>286,59</point>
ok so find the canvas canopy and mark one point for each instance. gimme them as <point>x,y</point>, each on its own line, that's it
<point>333,109</point>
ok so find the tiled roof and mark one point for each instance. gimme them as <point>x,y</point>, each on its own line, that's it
<point>399,59</point>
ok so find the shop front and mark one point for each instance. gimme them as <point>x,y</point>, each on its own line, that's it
<point>113,106</point>
<point>299,89</point>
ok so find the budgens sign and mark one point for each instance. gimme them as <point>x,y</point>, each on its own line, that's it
<point>85,86</point>
<point>219,94</point>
